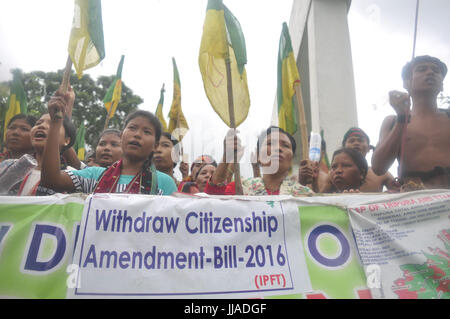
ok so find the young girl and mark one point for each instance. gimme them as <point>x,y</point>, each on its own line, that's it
<point>132,174</point>
<point>348,170</point>
<point>163,160</point>
<point>108,150</point>
<point>22,176</point>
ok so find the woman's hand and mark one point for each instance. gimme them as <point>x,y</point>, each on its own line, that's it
<point>232,144</point>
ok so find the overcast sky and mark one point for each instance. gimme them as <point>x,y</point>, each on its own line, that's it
<point>34,36</point>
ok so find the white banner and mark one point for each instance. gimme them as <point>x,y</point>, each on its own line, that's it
<point>404,244</point>
<point>169,247</point>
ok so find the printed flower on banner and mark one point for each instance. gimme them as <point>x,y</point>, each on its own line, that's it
<point>428,280</point>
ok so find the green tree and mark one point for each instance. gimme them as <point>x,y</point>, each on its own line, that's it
<point>88,108</point>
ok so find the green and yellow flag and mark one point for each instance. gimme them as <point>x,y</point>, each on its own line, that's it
<point>79,145</point>
<point>176,116</point>
<point>112,97</point>
<point>17,101</point>
<point>86,44</point>
<point>222,40</point>
<point>287,77</point>
<point>159,112</point>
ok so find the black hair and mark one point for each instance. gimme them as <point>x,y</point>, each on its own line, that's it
<point>170,137</point>
<point>70,132</point>
<point>173,140</point>
<point>150,117</point>
<point>108,131</point>
<point>357,131</point>
<point>269,131</point>
<point>30,119</point>
<point>408,68</point>
<point>357,158</point>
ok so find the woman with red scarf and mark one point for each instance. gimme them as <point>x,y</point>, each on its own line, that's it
<point>134,173</point>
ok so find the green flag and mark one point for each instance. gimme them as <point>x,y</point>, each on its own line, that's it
<point>177,122</point>
<point>159,110</point>
<point>287,77</point>
<point>112,97</point>
<point>79,145</point>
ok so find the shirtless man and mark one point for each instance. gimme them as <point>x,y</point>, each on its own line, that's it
<point>418,138</point>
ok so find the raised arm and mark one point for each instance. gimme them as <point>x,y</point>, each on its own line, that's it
<point>230,144</point>
<point>51,175</point>
<point>388,147</point>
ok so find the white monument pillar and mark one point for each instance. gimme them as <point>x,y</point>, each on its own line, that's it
<point>321,44</point>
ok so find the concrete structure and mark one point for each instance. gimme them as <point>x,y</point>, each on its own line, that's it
<point>321,43</point>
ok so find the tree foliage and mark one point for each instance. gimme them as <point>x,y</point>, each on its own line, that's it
<point>88,108</point>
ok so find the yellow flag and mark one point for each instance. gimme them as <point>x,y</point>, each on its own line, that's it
<point>223,39</point>
<point>17,102</point>
<point>86,44</point>
<point>287,77</point>
<point>178,125</point>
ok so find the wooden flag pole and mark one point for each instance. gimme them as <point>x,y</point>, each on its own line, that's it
<point>302,121</point>
<point>65,83</point>
<point>237,173</point>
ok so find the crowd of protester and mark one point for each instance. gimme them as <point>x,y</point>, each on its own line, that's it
<point>38,158</point>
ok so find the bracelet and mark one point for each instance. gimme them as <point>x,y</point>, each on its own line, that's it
<point>402,118</point>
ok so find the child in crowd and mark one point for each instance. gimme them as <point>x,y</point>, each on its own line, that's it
<point>348,170</point>
<point>108,150</point>
<point>133,173</point>
<point>22,176</point>
<point>164,157</point>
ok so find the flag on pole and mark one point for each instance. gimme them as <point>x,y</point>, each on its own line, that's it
<point>222,39</point>
<point>17,101</point>
<point>159,112</point>
<point>287,77</point>
<point>177,122</point>
<point>86,44</point>
<point>114,92</point>
<point>79,145</point>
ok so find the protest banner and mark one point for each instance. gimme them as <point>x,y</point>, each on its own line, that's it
<point>180,247</point>
<point>140,246</point>
<point>404,243</point>
<point>37,237</point>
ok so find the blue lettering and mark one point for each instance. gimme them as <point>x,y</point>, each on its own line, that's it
<point>188,228</point>
<point>102,219</point>
<point>31,262</point>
